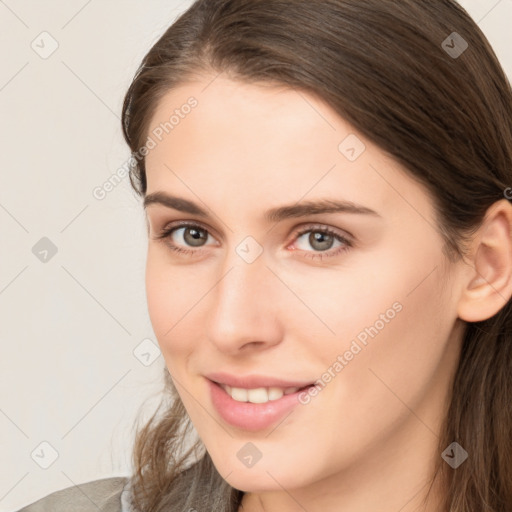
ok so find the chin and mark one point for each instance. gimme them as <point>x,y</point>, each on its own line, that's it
<point>252,480</point>
<point>263,476</point>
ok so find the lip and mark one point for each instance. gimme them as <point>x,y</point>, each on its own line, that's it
<point>255,381</point>
<point>249,416</point>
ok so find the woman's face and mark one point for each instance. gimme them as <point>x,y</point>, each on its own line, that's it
<point>299,253</point>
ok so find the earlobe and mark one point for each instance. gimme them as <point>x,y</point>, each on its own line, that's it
<point>489,281</point>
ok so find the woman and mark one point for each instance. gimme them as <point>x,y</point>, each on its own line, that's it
<point>329,271</point>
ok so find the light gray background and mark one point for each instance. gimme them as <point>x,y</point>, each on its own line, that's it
<point>73,370</point>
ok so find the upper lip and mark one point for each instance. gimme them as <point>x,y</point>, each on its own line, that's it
<point>254,381</point>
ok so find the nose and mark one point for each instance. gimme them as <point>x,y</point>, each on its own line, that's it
<point>244,312</point>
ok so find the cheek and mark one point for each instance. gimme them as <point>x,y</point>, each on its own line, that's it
<point>398,288</point>
<point>172,293</point>
<point>393,337</point>
<point>390,317</point>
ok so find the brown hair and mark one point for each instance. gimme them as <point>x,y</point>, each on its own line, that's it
<point>382,66</point>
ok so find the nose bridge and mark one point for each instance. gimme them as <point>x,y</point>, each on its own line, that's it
<point>239,292</point>
<point>242,311</point>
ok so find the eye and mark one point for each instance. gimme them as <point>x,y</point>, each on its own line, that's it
<point>321,239</point>
<point>193,236</point>
<point>190,239</point>
<point>185,238</point>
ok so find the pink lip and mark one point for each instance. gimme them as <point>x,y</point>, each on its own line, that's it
<point>249,416</point>
<point>254,381</point>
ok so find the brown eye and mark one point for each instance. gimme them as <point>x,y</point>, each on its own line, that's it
<point>316,240</point>
<point>185,237</point>
<point>320,241</point>
<point>193,236</point>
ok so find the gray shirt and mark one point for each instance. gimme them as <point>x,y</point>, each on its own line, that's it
<point>106,495</point>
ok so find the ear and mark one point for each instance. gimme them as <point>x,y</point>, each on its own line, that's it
<point>488,283</point>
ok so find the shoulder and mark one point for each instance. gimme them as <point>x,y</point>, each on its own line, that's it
<point>96,496</point>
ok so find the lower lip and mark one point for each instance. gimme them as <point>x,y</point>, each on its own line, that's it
<point>249,416</point>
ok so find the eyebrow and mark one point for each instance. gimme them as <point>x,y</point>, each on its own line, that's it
<point>278,214</point>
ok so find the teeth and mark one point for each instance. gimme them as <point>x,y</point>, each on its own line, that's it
<point>257,395</point>
<point>239,394</point>
<point>275,393</point>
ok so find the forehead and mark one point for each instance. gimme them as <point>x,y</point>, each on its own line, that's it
<point>232,117</point>
<point>250,145</point>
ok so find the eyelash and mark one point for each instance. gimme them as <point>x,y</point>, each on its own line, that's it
<point>166,233</point>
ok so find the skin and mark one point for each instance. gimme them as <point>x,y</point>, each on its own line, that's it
<point>368,440</point>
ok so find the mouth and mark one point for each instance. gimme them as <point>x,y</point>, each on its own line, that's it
<point>254,408</point>
<point>260,395</point>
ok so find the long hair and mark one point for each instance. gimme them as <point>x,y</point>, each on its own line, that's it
<point>397,72</point>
